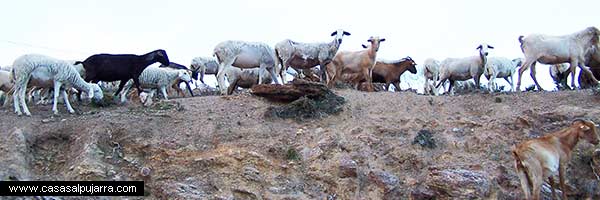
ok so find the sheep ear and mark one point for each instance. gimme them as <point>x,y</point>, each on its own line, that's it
<point>491,47</point>
<point>346,33</point>
<point>334,33</point>
<point>364,46</point>
<point>479,47</point>
<point>382,39</point>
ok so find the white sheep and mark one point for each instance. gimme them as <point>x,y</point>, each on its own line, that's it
<point>35,68</point>
<point>560,74</point>
<point>461,69</point>
<point>501,67</point>
<point>431,71</point>
<point>6,85</point>
<point>158,78</point>
<point>244,78</point>
<point>245,55</point>
<point>572,48</point>
<point>302,56</point>
<point>204,65</point>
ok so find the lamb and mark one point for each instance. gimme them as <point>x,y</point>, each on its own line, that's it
<point>359,63</point>
<point>158,78</point>
<point>541,158</point>
<point>245,55</point>
<point>549,50</point>
<point>560,73</point>
<point>175,85</point>
<point>121,67</point>
<point>302,56</point>
<point>39,69</point>
<point>500,67</point>
<point>6,85</point>
<point>431,71</point>
<point>206,65</point>
<point>461,69</point>
<point>244,78</point>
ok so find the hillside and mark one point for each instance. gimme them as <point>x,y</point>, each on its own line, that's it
<point>223,147</point>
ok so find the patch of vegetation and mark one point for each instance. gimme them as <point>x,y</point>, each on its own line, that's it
<point>164,105</point>
<point>292,154</point>
<point>309,107</point>
<point>425,139</point>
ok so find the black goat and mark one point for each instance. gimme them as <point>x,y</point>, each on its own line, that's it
<point>176,85</point>
<point>120,67</point>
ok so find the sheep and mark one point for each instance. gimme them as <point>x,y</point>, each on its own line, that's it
<point>35,69</point>
<point>244,78</point>
<point>560,73</point>
<point>548,49</point>
<point>6,85</point>
<point>120,67</point>
<point>358,63</point>
<point>541,158</point>
<point>158,78</point>
<point>206,65</point>
<point>175,85</point>
<point>302,56</point>
<point>244,55</point>
<point>461,69</point>
<point>431,71</point>
<point>390,71</point>
<point>593,62</point>
<point>500,67</point>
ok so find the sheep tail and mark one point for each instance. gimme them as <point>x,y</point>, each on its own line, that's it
<point>77,63</point>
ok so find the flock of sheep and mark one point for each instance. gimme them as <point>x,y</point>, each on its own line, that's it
<point>248,63</point>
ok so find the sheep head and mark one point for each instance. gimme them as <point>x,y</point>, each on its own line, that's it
<point>160,56</point>
<point>339,34</point>
<point>95,92</point>
<point>586,130</point>
<point>374,40</point>
<point>412,65</point>
<point>184,75</point>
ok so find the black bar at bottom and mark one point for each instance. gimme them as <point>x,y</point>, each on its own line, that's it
<point>71,188</point>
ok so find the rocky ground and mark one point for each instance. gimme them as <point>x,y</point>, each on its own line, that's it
<point>381,145</point>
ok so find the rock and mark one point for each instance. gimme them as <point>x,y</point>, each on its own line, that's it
<point>425,139</point>
<point>383,179</point>
<point>290,92</point>
<point>252,174</point>
<point>422,193</point>
<point>459,183</point>
<point>14,163</point>
<point>348,167</point>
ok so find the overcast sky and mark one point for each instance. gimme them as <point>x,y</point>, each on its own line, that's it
<point>185,29</point>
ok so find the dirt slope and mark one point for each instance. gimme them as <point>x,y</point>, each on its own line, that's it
<point>217,147</point>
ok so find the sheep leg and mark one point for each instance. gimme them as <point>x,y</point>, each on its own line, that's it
<point>124,94</point>
<point>121,84</point>
<point>273,75</point>
<point>16,98</point>
<point>552,186</point>
<point>524,183</point>
<point>323,68</point>
<point>189,89</point>
<point>450,91</point>
<point>532,74</point>
<point>526,64</point>
<point>67,103</point>
<point>57,85</point>
<point>221,74</point>
<point>397,86</point>
<point>163,90</point>
<point>511,82</point>
<point>561,176</point>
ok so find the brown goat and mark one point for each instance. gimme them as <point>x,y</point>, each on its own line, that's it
<point>390,72</point>
<point>541,158</point>
<point>357,62</point>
